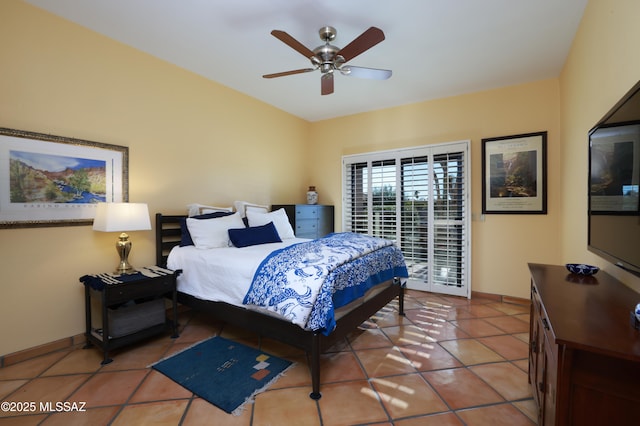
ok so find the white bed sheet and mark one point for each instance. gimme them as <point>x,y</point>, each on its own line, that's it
<point>220,274</point>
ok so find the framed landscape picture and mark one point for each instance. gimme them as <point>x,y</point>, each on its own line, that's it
<point>48,180</point>
<point>514,174</point>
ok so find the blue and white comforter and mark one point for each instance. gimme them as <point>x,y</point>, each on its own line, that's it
<point>305,282</point>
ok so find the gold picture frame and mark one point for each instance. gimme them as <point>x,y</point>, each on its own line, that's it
<point>48,180</point>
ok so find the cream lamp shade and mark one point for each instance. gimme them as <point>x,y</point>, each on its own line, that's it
<point>122,217</point>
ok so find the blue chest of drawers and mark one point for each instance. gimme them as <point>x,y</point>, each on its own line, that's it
<point>309,220</point>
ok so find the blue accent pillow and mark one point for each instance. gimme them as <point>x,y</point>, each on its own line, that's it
<point>255,235</point>
<point>185,239</point>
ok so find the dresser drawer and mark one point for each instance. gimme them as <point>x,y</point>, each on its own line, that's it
<point>306,212</point>
<point>119,293</point>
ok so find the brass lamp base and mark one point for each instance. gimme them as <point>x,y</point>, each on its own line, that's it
<point>123,247</point>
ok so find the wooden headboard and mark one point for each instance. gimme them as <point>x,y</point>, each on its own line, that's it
<point>168,235</point>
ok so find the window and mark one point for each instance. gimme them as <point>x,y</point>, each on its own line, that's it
<point>417,197</point>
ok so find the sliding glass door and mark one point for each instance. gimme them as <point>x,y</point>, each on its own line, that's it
<point>418,198</point>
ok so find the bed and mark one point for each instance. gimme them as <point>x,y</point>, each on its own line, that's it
<point>169,235</point>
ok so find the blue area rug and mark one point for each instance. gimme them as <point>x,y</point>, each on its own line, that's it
<point>223,372</point>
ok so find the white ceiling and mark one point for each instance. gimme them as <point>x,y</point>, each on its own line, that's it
<point>436,48</point>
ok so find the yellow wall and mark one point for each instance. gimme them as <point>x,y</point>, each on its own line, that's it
<point>501,244</point>
<point>192,140</point>
<point>602,66</point>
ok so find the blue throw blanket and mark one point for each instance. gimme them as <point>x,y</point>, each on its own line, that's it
<point>305,282</point>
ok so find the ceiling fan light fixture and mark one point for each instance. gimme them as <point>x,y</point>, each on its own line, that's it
<point>346,70</point>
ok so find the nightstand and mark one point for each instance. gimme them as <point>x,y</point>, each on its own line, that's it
<point>132,307</point>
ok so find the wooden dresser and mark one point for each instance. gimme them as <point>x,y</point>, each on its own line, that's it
<point>309,220</point>
<point>584,356</point>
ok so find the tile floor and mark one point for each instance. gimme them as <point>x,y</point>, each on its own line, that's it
<point>450,361</point>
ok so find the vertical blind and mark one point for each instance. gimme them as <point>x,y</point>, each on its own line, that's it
<point>418,198</point>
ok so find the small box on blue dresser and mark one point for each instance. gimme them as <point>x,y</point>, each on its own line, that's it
<point>308,220</point>
<point>132,307</point>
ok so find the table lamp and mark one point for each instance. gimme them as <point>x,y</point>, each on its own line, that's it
<point>122,217</point>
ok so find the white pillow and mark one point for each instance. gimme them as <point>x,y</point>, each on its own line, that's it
<point>213,233</point>
<point>243,207</point>
<point>196,209</point>
<point>279,218</point>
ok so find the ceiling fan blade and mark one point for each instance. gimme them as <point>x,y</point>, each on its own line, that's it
<point>284,73</point>
<point>362,72</point>
<point>293,43</point>
<point>327,84</point>
<point>363,42</point>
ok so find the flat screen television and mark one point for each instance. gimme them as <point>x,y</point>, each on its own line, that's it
<point>614,184</point>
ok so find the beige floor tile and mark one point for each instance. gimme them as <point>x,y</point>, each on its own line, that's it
<point>529,408</point>
<point>473,393</point>
<point>384,362</point>
<point>510,308</point>
<point>109,388</point>
<point>477,327</point>
<point>412,303</point>
<point>156,413</point>
<point>298,374</point>
<point>494,415</point>
<point>459,313</point>
<point>523,317</point>
<point>340,346</point>
<point>79,361</point>
<point>8,386</point>
<point>507,346</point>
<point>460,301</point>
<point>431,312</point>
<point>91,417</point>
<point>507,379</point>
<point>197,331</point>
<point>405,335</point>
<point>47,389</point>
<point>138,356</point>
<point>340,367</point>
<point>157,387</point>
<point>350,403</point>
<point>30,368</point>
<point>509,324</point>
<point>522,364</point>
<point>285,407</point>
<point>482,311</point>
<point>439,331</point>
<point>408,395</point>
<point>445,419</point>
<point>203,413</point>
<point>389,317</point>
<point>282,350</point>
<point>368,339</point>
<point>24,420</point>
<point>470,351</point>
<point>522,336</point>
<point>429,356</point>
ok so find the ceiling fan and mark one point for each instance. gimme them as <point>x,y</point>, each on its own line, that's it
<point>328,58</point>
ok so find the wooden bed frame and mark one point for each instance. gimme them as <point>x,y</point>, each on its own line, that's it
<point>168,235</point>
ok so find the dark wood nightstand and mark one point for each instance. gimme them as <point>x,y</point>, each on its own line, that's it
<point>132,307</point>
